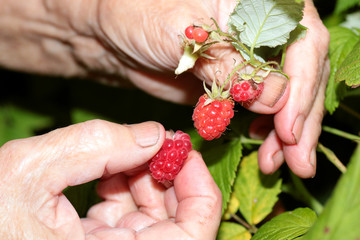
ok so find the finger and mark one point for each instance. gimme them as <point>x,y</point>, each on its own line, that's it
<point>86,151</point>
<point>117,200</point>
<point>305,64</point>
<point>148,195</point>
<point>270,154</point>
<point>171,202</point>
<point>199,209</point>
<point>301,157</point>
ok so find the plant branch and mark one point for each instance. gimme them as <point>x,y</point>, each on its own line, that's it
<point>332,157</point>
<point>246,140</point>
<point>340,133</point>
<point>251,228</point>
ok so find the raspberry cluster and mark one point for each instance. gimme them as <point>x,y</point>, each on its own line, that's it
<point>244,91</point>
<point>211,119</point>
<point>167,163</point>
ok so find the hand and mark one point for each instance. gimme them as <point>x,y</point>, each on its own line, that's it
<point>295,129</point>
<point>103,40</point>
<point>296,105</point>
<point>36,170</point>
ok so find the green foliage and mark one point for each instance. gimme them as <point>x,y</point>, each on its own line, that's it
<point>342,6</point>
<point>222,159</point>
<point>17,122</point>
<point>342,43</point>
<point>287,226</point>
<point>340,218</point>
<point>248,195</point>
<point>257,193</point>
<point>349,70</point>
<point>233,231</point>
<point>265,23</point>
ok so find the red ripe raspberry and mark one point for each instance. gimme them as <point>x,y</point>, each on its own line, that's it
<point>211,119</point>
<point>200,35</point>
<point>167,163</point>
<point>189,32</point>
<point>246,90</point>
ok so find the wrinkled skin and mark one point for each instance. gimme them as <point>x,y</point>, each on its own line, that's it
<point>113,40</point>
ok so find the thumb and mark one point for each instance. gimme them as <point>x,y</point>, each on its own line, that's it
<point>86,151</point>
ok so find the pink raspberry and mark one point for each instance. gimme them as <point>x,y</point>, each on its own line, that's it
<point>167,163</point>
<point>246,90</point>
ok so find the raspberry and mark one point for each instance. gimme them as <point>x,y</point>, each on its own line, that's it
<point>167,163</point>
<point>189,32</point>
<point>200,35</point>
<point>246,90</point>
<point>211,119</point>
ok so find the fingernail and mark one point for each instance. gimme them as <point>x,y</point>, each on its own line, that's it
<point>146,134</point>
<point>297,128</point>
<point>274,88</point>
<point>278,159</point>
<point>312,159</point>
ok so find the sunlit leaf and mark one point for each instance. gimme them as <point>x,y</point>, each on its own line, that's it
<point>257,193</point>
<point>287,226</point>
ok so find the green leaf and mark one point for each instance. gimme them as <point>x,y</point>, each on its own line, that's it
<point>349,70</point>
<point>257,193</point>
<point>232,231</point>
<point>17,122</point>
<point>288,225</point>
<point>342,41</point>
<point>79,115</point>
<point>340,218</point>
<point>222,159</point>
<point>265,22</point>
<point>343,5</point>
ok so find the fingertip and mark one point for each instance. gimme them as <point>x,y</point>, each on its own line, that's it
<point>302,165</point>
<point>274,96</point>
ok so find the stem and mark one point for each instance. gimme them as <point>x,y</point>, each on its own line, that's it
<point>283,56</point>
<point>340,133</point>
<point>301,193</point>
<point>232,73</point>
<point>251,228</point>
<point>332,157</point>
<point>246,140</point>
<point>221,33</point>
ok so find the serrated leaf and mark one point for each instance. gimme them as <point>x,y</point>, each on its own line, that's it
<point>222,159</point>
<point>233,231</point>
<point>17,122</point>
<point>265,22</point>
<point>349,70</point>
<point>342,41</point>
<point>257,193</point>
<point>342,6</point>
<point>340,218</point>
<point>287,226</point>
